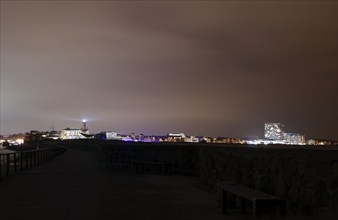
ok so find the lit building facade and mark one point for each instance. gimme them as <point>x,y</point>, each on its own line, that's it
<point>176,137</point>
<point>293,138</point>
<point>273,131</point>
<point>108,135</point>
<point>72,133</point>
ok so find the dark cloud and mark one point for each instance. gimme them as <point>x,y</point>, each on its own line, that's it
<point>213,68</point>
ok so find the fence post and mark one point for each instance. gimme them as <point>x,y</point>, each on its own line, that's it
<point>44,155</point>
<point>38,156</point>
<point>35,154</point>
<point>21,160</point>
<point>14,162</point>
<point>8,161</point>
<point>0,166</point>
<point>31,158</point>
<point>26,157</point>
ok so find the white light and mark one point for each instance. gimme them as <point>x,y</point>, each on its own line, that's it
<point>84,120</point>
<point>20,141</point>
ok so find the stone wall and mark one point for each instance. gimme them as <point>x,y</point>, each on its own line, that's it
<point>184,158</point>
<point>307,178</point>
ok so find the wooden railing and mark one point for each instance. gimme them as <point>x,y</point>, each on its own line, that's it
<point>11,163</point>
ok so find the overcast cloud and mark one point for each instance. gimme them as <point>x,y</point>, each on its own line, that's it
<point>202,68</point>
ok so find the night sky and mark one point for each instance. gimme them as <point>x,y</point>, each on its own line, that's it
<point>218,68</point>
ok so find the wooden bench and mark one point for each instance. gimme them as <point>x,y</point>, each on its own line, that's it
<point>165,167</point>
<point>260,200</point>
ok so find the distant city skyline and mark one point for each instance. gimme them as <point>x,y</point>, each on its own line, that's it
<point>213,68</point>
<point>272,131</point>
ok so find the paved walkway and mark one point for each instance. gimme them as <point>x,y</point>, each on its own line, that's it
<point>75,186</point>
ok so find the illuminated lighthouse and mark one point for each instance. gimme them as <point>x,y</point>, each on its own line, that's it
<point>84,123</point>
<point>76,133</point>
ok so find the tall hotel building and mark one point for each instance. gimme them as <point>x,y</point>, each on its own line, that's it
<point>273,131</point>
<point>293,138</point>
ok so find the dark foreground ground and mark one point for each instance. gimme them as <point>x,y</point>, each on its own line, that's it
<point>75,186</point>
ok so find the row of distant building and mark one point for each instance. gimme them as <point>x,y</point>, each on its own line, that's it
<point>273,134</point>
<point>81,133</point>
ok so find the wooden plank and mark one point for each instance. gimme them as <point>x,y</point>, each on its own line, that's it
<point>247,192</point>
<point>259,199</point>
